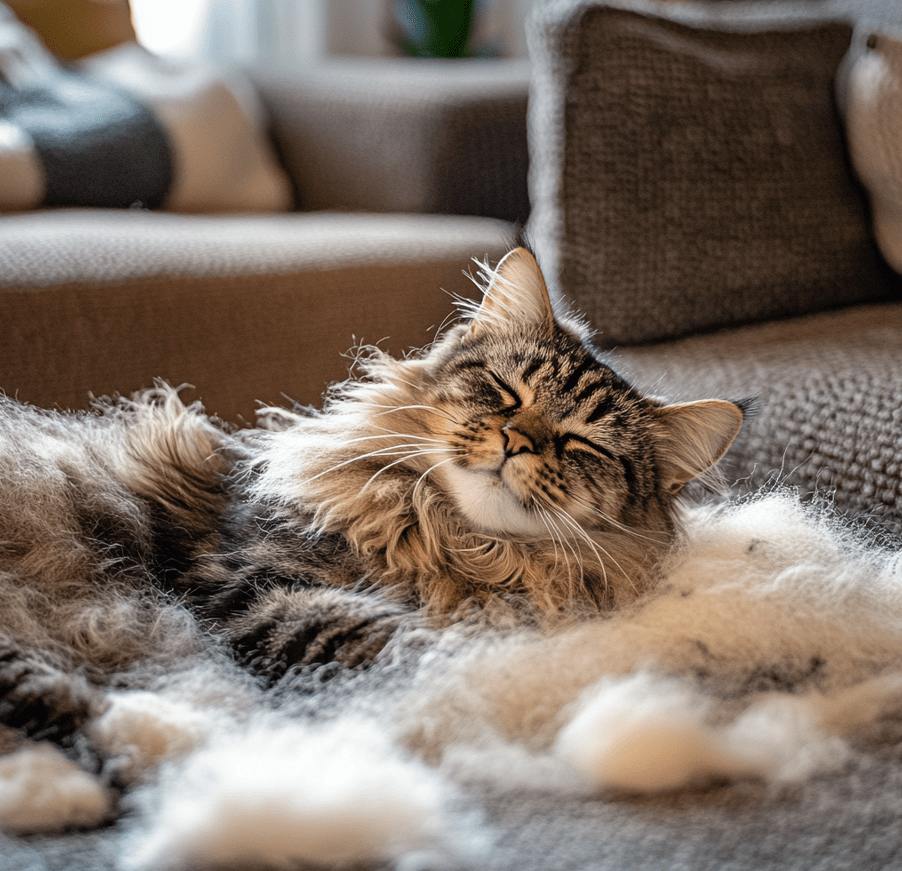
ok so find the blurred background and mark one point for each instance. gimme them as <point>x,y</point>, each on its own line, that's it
<point>287,33</point>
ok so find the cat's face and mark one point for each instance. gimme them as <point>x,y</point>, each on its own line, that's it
<point>540,438</point>
<point>542,435</point>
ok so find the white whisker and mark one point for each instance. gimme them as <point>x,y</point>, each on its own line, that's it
<point>398,380</point>
<point>390,409</point>
<point>476,548</point>
<point>552,529</point>
<point>389,433</point>
<point>566,544</point>
<point>596,548</point>
<point>653,537</point>
<point>408,456</point>
<point>431,469</point>
<point>390,451</point>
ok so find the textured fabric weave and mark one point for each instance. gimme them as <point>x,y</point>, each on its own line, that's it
<point>691,174</point>
<point>407,135</point>
<point>245,309</point>
<point>830,420</point>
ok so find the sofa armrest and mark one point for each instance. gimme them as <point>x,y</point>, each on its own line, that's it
<point>246,308</point>
<point>404,135</point>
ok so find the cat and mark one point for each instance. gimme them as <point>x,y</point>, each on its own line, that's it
<point>506,470</point>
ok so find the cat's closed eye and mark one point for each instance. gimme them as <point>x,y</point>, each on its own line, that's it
<point>511,397</point>
<point>585,443</point>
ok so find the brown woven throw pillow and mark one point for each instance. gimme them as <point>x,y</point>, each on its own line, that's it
<point>691,174</point>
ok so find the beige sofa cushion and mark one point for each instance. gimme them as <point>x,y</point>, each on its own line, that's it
<point>404,135</point>
<point>245,308</point>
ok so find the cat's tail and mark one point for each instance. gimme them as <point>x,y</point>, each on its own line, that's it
<point>182,464</point>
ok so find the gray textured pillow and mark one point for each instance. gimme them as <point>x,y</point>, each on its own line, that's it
<point>691,174</point>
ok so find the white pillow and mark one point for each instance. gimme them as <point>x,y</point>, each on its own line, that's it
<point>124,127</point>
<point>870,97</point>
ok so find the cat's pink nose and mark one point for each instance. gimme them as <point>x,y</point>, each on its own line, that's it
<point>516,442</point>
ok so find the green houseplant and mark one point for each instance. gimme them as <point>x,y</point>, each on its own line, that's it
<point>433,28</point>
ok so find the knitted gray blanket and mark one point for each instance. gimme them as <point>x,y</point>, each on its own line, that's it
<point>745,715</point>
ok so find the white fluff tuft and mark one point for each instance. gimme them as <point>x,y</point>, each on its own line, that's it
<point>783,739</point>
<point>644,734</point>
<point>141,729</point>
<point>285,794</point>
<point>42,791</point>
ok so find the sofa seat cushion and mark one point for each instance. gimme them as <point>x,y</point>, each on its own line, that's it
<point>246,308</point>
<point>829,384</point>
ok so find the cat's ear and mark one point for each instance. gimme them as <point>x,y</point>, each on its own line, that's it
<point>516,294</point>
<point>695,435</point>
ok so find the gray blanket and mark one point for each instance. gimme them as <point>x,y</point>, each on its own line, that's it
<point>849,821</point>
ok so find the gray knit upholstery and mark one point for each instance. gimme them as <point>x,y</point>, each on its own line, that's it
<point>849,821</point>
<point>405,135</point>
<point>829,421</point>
<point>688,165</point>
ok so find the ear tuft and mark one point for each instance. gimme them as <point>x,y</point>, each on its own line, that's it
<point>516,294</point>
<point>695,436</point>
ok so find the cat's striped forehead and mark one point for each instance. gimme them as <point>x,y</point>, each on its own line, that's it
<point>557,368</point>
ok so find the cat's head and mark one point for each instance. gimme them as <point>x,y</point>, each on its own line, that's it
<point>506,459</point>
<point>541,437</point>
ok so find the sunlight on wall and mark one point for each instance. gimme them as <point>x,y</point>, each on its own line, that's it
<point>171,27</point>
<point>289,32</point>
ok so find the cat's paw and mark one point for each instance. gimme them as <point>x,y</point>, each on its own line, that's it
<point>43,791</point>
<point>314,626</point>
<point>40,699</point>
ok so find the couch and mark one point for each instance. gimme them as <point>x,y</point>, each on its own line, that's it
<point>402,172</point>
<point>693,194</point>
<point>690,192</point>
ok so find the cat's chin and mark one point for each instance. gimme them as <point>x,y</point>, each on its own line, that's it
<point>489,504</point>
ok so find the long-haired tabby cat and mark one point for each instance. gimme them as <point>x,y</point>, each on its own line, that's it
<point>507,468</point>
